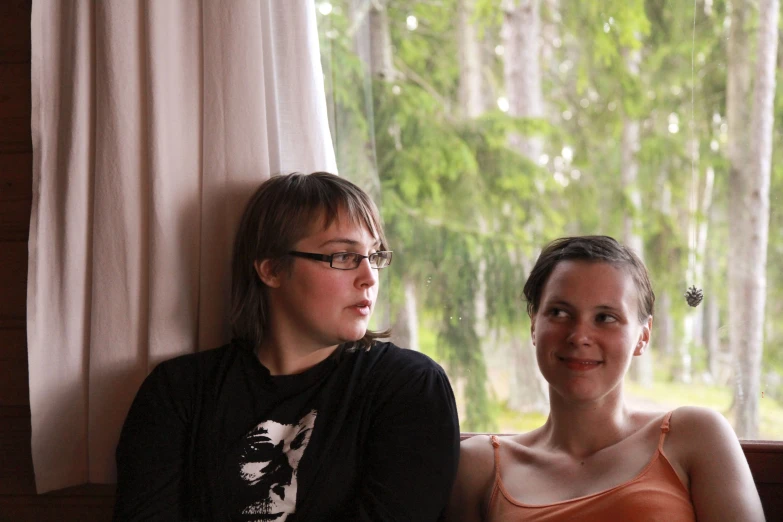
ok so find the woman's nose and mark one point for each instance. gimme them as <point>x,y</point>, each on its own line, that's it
<point>581,333</point>
<point>366,275</point>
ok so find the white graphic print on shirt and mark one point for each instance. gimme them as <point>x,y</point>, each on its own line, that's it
<point>269,463</point>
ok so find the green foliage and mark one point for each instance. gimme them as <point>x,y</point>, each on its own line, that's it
<point>488,14</point>
<point>466,213</point>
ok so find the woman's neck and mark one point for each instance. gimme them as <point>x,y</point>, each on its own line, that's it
<point>582,429</point>
<point>282,359</point>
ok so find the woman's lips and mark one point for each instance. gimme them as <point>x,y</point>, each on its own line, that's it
<point>579,365</point>
<point>363,307</point>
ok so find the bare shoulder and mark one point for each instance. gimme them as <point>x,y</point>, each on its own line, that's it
<point>701,438</point>
<point>718,477</point>
<point>474,480</point>
<point>699,417</point>
<point>694,431</point>
<point>694,426</point>
<point>477,459</point>
<point>477,443</point>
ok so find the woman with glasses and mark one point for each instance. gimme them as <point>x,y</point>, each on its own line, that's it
<point>305,415</point>
<point>596,458</point>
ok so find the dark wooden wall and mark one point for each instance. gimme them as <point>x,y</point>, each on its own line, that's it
<point>18,500</point>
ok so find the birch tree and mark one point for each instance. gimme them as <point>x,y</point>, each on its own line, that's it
<point>374,45</point>
<point>521,34</point>
<point>749,221</point>
<point>642,367</point>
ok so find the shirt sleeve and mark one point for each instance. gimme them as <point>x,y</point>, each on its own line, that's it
<point>411,458</point>
<point>151,454</point>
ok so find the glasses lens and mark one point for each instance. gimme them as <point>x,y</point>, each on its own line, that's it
<point>380,259</point>
<point>346,260</point>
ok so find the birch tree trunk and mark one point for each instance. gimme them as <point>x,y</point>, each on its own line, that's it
<point>472,103</point>
<point>381,55</point>
<point>698,228</point>
<point>748,286</point>
<point>663,339</point>
<point>369,46</point>
<point>663,326</point>
<point>372,42</point>
<point>641,367</point>
<point>405,330</point>
<point>718,364</point>
<point>405,317</point>
<point>522,77</point>
<point>522,70</point>
<point>737,101</point>
<point>712,322</point>
<point>471,96</point>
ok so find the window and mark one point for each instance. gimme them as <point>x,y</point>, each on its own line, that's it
<point>484,133</point>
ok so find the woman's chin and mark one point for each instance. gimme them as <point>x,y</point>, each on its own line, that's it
<point>352,336</point>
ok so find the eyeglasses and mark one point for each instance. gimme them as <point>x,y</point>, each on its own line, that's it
<point>349,260</point>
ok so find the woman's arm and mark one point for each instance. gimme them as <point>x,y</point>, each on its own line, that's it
<point>721,484</point>
<point>411,454</point>
<point>474,480</point>
<point>151,455</point>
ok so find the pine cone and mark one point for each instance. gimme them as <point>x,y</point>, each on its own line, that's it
<point>694,296</point>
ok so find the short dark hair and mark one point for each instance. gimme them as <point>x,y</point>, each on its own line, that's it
<point>600,249</point>
<point>282,211</point>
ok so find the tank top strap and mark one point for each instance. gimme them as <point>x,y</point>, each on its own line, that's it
<point>495,441</point>
<point>664,429</point>
<point>496,449</point>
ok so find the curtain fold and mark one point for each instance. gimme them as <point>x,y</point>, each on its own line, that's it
<point>152,123</point>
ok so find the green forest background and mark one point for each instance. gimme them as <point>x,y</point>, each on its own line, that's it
<point>486,128</point>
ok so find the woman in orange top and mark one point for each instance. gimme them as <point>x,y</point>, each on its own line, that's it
<point>595,458</point>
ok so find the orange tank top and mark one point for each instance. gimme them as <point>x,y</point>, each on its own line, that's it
<point>657,493</point>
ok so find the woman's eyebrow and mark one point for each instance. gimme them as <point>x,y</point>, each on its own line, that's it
<point>348,242</point>
<point>560,301</point>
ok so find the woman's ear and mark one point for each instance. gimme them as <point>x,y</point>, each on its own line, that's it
<point>644,337</point>
<point>268,272</point>
<point>533,329</point>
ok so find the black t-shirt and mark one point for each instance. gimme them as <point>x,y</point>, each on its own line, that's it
<point>367,435</point>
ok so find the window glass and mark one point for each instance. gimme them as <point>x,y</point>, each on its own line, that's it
<point>485,129</point>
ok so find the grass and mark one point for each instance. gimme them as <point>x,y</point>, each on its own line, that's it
<point>670,395</point>
<point>510,421</point>
<point>663,396</point>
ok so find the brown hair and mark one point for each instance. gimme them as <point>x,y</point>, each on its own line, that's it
<point>282,211</point>
<point>602,249</point>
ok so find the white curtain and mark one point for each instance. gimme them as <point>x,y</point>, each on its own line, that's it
<point>152,123</point>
